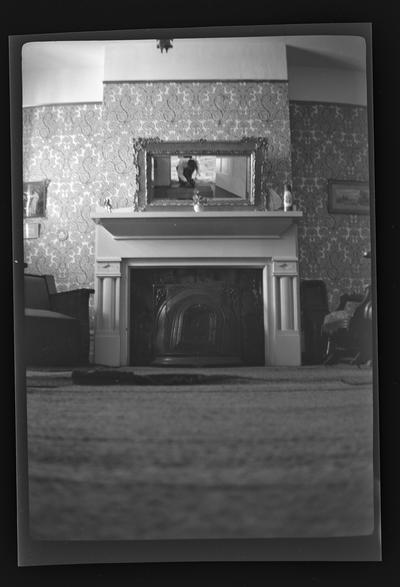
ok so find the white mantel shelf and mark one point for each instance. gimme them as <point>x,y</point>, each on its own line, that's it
<point>122,223</point>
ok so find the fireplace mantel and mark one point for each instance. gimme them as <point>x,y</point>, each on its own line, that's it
<point>127,240</point>
<point>125,224</point>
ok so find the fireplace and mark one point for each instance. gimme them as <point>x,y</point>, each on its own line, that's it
<point>196,316</point>
<point>180,288</point>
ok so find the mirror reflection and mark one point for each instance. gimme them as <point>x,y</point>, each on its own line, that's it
<point>175,177</point>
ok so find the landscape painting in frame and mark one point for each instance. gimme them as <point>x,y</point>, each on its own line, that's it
<point>348,197</point>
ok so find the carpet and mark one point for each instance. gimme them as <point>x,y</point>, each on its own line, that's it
<point>288,454</point>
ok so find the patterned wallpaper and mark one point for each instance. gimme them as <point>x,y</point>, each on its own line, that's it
<point>330,141</point>
<point>63,143</point>
<point>176,111</point>
<point>86,152</point>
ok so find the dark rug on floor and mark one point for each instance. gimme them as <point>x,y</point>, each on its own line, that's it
<point>110,377</point>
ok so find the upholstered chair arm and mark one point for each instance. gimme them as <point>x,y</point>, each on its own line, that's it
<point>353,297</point>
<point>340,318</point>
<point>73,303</point>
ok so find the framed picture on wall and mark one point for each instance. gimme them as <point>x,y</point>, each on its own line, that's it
<point>35,197</point>
<point>31,230</point>
<point>348,197</point>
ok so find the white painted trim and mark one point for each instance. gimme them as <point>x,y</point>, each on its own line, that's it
<point>262,252</point>
<point>198,261</point>
<point>169,214</point>
<point>189,237</point>
<point>267,313</point>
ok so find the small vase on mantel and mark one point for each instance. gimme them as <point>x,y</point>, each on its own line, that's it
<point>198,201</point>
<point>287,197</point>
<point>107,205</point>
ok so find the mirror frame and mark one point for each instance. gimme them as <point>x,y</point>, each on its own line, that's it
<point>144,149</point>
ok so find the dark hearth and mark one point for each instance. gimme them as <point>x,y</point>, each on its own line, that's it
<point>197,316</point>
<point>196,321</point>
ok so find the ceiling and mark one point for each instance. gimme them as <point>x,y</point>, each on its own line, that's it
<point>336,52</point>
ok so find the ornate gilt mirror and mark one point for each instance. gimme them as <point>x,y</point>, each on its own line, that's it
<point>225,173</point>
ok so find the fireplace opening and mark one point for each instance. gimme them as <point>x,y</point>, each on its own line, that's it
<point>195,316</point>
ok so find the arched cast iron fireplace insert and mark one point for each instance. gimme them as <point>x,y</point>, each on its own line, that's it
<point>196,316</point>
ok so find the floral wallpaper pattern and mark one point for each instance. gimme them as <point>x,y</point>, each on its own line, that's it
<point>85,150</point>
<point>330,141</point>
<point>174,111</point>
<point>63,143</point>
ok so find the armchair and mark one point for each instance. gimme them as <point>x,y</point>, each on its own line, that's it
<point>349,329</point>
<point>56,323</point>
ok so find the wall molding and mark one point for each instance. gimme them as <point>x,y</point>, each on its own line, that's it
<point>195,81</point>
<point>56,104</point>
<point>324,103</point>
<point>101,102</point>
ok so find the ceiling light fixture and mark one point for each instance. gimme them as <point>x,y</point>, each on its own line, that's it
<point>164,44</point>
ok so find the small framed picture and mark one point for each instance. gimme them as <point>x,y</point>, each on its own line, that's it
<point>348,197</point>
<point>31,230</point>
<point>35,197</point>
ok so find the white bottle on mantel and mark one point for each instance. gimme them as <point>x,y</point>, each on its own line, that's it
<point>287,197</point>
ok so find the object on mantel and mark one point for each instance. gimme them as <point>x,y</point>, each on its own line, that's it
<point>199,201</point>
<point>108,205</point>
<point>287,198</point>
<point>275,201</point>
